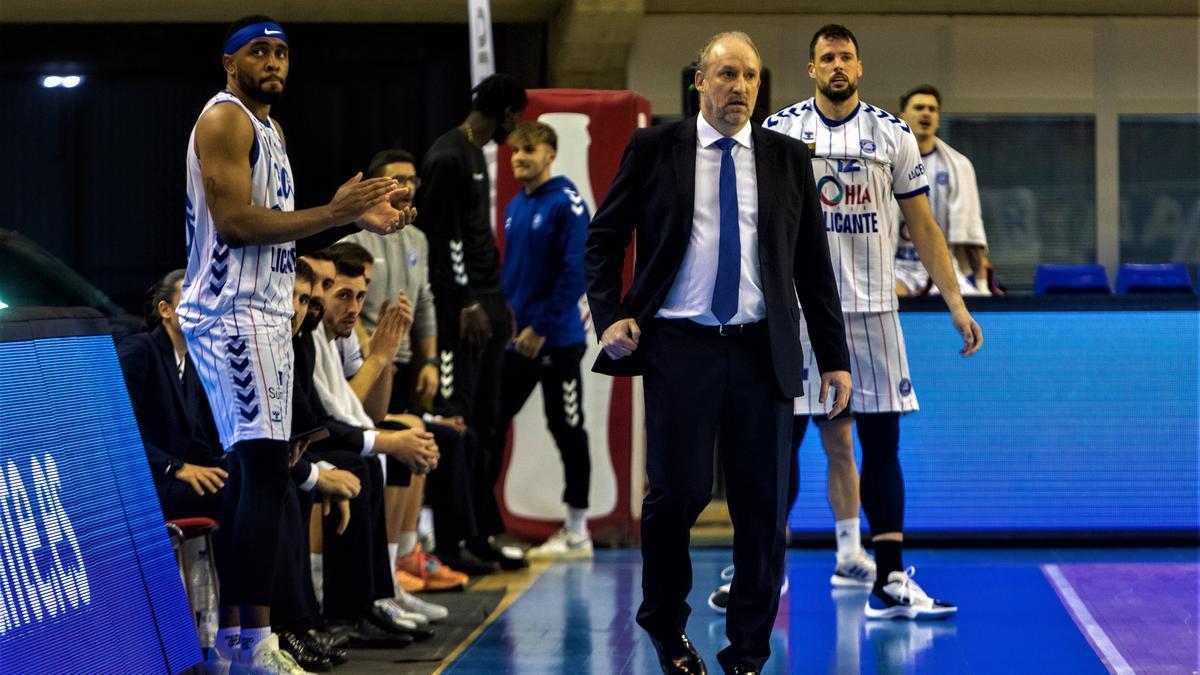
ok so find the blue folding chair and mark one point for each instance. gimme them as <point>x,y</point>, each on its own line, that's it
<point>1052,279</point>
<point>1164,278</point>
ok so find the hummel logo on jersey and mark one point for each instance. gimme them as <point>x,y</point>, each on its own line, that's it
<point>807,136</point>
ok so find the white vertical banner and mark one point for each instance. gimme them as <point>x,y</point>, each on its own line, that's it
<point>483,64</point>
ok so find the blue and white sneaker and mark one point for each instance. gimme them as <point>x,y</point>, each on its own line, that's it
<point>856,571</point>
<point>902,598</point>
<point>718,600</point>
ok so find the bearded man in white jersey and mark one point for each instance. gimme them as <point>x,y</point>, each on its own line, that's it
<point>236,309</point>
<point>863,159</point>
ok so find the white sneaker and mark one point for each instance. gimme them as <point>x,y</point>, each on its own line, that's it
<point>401,616</point>
<point>267,659</point>
<point>857,571</point>
<point>411,603</point>
<point>902,598</point>
<point>563,544</point>
<point>214,664</point>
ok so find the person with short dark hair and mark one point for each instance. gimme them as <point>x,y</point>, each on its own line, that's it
<point>474,319</point>
<point>953,197</point>
<point>235,311</point>
<point>545,228</point>
<point>865,159</point>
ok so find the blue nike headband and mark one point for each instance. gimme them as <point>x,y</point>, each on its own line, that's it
<point>255,30</point>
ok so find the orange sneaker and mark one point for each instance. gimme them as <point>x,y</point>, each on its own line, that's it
<point>408,582</point>
<point>430,570</point>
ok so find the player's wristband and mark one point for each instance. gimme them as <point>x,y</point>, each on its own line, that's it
<point>431,361</point>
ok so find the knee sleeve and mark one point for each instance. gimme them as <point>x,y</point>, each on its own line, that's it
<point>881,487</point>
<point>254,540</point>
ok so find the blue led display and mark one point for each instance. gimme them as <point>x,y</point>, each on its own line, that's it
<point>88,581</point>
<point>1064,421</point>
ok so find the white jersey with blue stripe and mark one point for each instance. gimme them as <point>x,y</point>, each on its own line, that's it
<point>861,164</point>
<point>236,306</point>
<point>249,288</point>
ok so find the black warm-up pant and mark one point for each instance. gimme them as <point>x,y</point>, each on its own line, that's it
<point>357,568</point>
<point>449,487</point>
<point>294,606</point>
<point>557,370</point>
<point>881,486</point>
<point>703,388</point>
<point>255,496</point>
<point>469,385</point>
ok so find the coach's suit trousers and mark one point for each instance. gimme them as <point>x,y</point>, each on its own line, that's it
<point>703,388</point>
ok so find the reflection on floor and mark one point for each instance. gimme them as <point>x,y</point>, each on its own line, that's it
<point>1014,617</point>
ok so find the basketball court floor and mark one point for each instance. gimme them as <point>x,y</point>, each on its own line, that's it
<point>1054,611</point>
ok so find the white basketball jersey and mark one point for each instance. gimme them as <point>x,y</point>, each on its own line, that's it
<point>246,289</point>
<point>860,164</point>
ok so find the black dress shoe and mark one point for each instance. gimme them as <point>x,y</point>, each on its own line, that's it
<point>486,550</point>
<point>463,560</point>
<point>743,669</point>
<point>366,635</point>
<point>330,639</point>
<point>677,656</point>
<point>309,660</point>
<point>336,655</point>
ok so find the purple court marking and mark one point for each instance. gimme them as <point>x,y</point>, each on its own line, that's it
<point>1138,617</point>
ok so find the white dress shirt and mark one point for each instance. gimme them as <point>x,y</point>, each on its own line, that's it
<point>691,294</point>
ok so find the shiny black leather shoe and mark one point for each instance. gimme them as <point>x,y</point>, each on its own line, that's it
<point>330,639</point>
<point>743,669</point>
<point>337,655</point>
<point>677,656</point>
<point>463,560</point>
<point>309,660</point>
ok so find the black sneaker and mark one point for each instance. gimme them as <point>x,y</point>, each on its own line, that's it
<point>902,598</point>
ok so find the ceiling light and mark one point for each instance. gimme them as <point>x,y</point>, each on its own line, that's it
<point>51,81</point>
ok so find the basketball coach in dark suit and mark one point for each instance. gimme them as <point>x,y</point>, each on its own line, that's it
<point>729,236</point>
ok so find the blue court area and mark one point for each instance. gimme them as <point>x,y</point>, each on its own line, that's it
<point>1013,618</point>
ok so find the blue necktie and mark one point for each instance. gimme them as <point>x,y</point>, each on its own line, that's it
<point>729,256</point>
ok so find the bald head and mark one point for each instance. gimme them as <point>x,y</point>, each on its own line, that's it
<point>727,77</point>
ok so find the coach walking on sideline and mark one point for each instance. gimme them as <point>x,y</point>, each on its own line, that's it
<point>729,234</point>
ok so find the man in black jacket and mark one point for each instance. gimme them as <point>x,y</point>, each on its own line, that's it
<point>729,235</point>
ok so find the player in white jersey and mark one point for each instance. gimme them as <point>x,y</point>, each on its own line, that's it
<point>863,159</point>
<point>236,308</point>
<point>953,197</point>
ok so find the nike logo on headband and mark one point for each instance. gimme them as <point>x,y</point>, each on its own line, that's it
<point>268,31</point>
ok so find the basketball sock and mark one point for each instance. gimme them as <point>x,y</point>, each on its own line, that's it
<point>227,642</point>
<point>888,558</point>
<point>848,541</point>
<point>250,639</point>
<point>406,544</point>
<point>577,521</point>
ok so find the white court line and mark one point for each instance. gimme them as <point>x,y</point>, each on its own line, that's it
<point>1079,611</point>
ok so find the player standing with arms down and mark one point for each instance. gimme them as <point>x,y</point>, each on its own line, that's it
<point>863,158</point>
<point>236,309</point>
